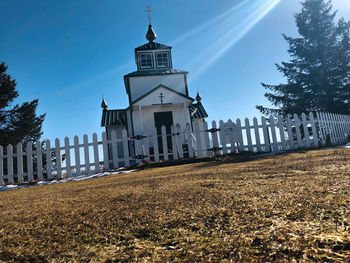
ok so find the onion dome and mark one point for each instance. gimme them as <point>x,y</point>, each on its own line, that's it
<point>104,104</point>
<point>151,35</point>
<point>198,97</point>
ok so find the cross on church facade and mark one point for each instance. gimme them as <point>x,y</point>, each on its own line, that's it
<point>161,96</point>
<point>149,10</point>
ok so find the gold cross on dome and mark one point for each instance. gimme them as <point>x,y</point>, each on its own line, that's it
<point>149,10</point>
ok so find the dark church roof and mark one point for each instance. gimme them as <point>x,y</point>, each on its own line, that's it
<point>113,117</point>
<point>198,111</point>
<point>155,72</point>
<point>151,46</point>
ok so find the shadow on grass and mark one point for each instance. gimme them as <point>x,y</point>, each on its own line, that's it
<point>241,157</point>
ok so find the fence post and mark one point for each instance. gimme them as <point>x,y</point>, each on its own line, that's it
<point>164,143</point>
<point>114,149</point>
<point>10,164</point>
<point>326,127</point>
<point>39,161</point>
<point>68,159</point>
<point>306,130</point>
<point>297,129</point>
<point>189,140</point>
<point>198,140</point>
<point>231,130</point>
<point>146,147</point>
<point>29,162</point>
<point>179,140</point>
<point>58,159</point>
<point>96,155</point>
<point>239,135</point>
<point>214,137</point>
<point>282,134</point>
<point>341,126</point>
<point>330,127</point>
<point>344,128</point>
<point>257,135</point>
<point>207,141</point>
<point>1,166</point>
<point>249,136</point>
<point>155,144</point>
<point>332,123</point>
<point>77,155</point>
<point>86,153</point>
<point>174,142</point>
<point>19,163</point>
<point>222,137</point>
<point>320,127</point>
<point>125,147</point>
<point>105,151</point>
<point>290,133</point>
<point>314,130</point>
<point>335,119</point>
<point>266,135</point>
<point>48,160</point>
<point>273,132</point>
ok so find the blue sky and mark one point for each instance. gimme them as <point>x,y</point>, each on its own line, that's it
<point>68,53</point>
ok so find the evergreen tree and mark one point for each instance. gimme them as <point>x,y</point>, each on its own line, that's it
<point>318,74</point>
<point>20,123</point>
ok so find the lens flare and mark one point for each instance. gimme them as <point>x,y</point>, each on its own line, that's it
<point>227,30</point>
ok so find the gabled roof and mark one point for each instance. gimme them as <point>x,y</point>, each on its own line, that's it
<point>158,87</point>
<point>113,117</point>
<point>155,72</point>
<point>152,46</point>
<point>198,111</point>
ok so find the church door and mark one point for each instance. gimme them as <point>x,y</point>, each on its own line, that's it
<point>166,119</point>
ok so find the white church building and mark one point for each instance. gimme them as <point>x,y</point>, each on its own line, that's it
<point>158,94</point>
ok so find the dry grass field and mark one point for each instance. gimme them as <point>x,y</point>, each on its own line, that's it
<point>286,208</point>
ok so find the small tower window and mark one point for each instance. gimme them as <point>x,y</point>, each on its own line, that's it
<point>146,60</point>
<point>162,59</point>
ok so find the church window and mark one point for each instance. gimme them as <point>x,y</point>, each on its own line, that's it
<point>146,60</point>
<point>162,59</point>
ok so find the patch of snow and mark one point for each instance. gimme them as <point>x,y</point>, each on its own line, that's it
<point>73,178</point>
<point>347,146</point>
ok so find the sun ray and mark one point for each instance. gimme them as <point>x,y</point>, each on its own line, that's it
<point>204,26</point>
<point>232,34</point>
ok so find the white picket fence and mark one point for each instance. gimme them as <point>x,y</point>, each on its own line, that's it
<point>272,134</point>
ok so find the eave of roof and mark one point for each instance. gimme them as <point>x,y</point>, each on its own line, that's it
<point>152,46</point>
<point>155,72</point>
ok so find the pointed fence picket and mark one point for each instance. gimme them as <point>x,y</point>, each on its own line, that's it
<point>270,134</point>
<point>68,159</point>
<point>29,158</point>
<point>48,160</point>
<point>95,149</point>
<point>9,154</point>
<point>39,161</point>
<point>19,163</point>
<point>257,135</point>
<point>155,145</point>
